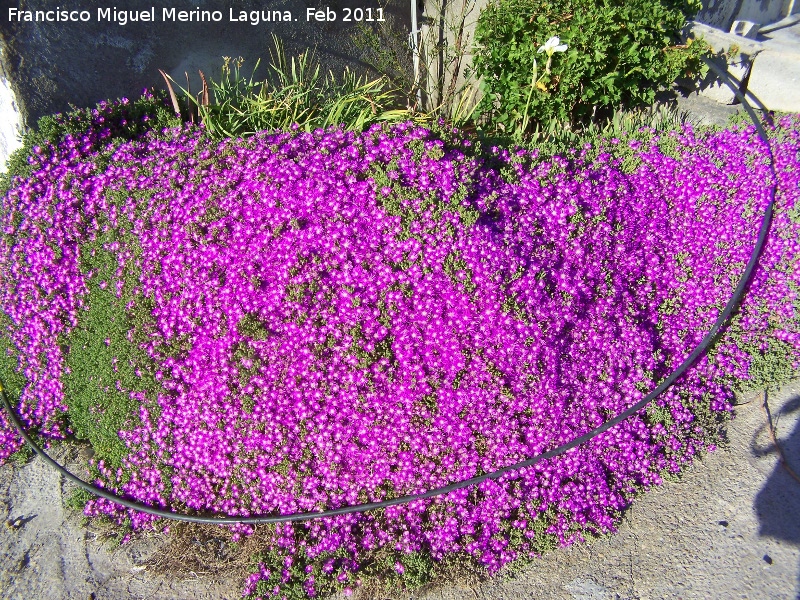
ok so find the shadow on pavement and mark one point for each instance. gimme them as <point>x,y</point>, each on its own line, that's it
<point>777,505</point>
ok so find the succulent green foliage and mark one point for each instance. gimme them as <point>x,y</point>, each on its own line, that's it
<point>105,360</point>
<point>252,327</point>
<point>771,368</point>
<point>78,498</point>
<point>12,381</point>
<point>459,272</point>
<point>405,201</point>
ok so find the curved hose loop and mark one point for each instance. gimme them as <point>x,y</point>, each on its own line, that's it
<point>296,517</point>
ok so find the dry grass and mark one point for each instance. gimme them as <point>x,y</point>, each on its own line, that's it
<point>206,550</point>
<point>198,549</point>
<point>454,571</point>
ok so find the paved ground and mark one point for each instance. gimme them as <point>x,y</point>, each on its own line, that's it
<point>775,77</point>
<point>729,529</point>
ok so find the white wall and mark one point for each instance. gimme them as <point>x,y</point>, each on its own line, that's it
<point>11,123</point>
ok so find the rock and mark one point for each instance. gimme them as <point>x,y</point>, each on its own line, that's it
<point>746,29</point>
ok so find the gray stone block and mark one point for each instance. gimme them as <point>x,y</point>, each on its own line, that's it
<point>775,80</point>
<point>746,29</point>
<point>735,54</point>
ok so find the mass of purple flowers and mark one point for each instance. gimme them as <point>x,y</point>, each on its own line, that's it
<point>338,318</point>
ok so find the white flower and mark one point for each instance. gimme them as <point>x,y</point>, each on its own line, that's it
<point>552,45</point>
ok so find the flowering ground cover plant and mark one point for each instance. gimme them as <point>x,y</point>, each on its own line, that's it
<point>301,321</point>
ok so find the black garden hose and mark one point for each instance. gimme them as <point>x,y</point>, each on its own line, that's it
<point>699,350</point>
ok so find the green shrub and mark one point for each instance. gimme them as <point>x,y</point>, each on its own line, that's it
<point>618,55</point>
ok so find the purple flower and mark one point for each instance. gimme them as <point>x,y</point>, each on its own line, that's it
<point>341,318</point>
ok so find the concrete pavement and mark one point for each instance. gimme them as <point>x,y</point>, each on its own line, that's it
<point>767,66</point>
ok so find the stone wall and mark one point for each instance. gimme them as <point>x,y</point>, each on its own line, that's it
<point>722,13</point>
